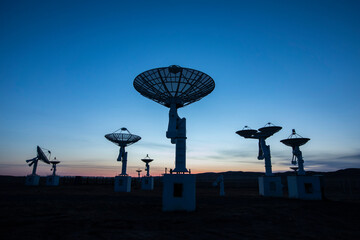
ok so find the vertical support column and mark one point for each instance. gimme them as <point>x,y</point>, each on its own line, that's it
<point>298,154</point>
<point>147,169</point>
<point>266,151</point>
<point>54,169</point>
<point>124,163</point>
<point>177,132</point>
<point>35,167</point>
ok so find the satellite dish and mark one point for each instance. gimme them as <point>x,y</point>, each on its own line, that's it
<point>175,87</point>
<point>174,84</point>
<point>54,163</point>
<point>139,171</point>
<point>147,160</point>
<point>295,141</point>
<point>261,134</point>
<point>247,132</point>
<point>123,139</point>
<point>269,129</point>
<point>40,156</point>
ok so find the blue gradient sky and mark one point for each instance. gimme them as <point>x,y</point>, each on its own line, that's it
<point>67,68</point>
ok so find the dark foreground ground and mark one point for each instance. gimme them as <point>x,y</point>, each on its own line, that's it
<point>96,212</point>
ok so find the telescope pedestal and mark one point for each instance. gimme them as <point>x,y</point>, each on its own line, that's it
<point>52,180</point>
<point>147,183</point>
<point>32,180</point>
<point>270,186</point>
<point>179,192</point>
<point>122,184</point>
<point>305,187</point>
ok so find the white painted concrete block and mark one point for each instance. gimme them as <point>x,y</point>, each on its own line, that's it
<point>179,192</point>
<point>270,186</point>
<point>122,184</point>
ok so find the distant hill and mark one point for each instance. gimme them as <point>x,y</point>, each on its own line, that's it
<point>240,175</point>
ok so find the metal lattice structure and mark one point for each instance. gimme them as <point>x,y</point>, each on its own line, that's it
<point>166,84</point>
<point>122,139</point>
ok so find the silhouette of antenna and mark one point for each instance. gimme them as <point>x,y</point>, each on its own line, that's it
<point>269,185</point>
<point>139,171</point>
<point>147,160</point>
<point>220,181</point>
<point>301,186</point>
<point>53,180</point>
<point>295,141</point>
<point>262,134</point>
<point>123,139</point>
<point>33,179</point>
<point>175,87</point>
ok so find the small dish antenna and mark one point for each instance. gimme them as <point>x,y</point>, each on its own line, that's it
<point>139,171</point>
<point>295,141</point>
<point>40,156</point>
<point>54,163</point>
<point>147,160</point>
<point>175,87</point>
<point>123,139</point>
<point>262,134</point>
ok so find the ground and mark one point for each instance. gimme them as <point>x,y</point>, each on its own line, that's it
<point>97,212</point>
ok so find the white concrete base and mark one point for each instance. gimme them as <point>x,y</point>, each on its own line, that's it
<point>147,183</point>
<point>179,192</point>
<point>270,186</point>
<point>52,180</point>
<point>32,180</point>
<point>305,187</point>
<point>122,184</point>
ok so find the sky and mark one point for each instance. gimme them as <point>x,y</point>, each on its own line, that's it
<point>67,71</point>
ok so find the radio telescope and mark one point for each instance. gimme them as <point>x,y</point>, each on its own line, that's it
<point>147,160</point>
<point>175,87</point>
<point>301,186</point>
<point>138,172</point>
<point>269,185</point>
<point>262,134</point>
<point>295,141</point>
<point>54,163</point>
<point>33,179</point>
<point>40,156</point>
<point>53,180</point>
<point>123,139</point>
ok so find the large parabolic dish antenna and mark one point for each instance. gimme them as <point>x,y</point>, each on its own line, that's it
<point>40,156</point>
<point>123,139</point>
<point>174,84</point>
<point>175,87</point>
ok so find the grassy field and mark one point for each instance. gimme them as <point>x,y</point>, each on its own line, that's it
<point>95,211</point>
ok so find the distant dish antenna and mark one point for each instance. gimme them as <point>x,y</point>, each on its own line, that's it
<point>262,134</point>
<point>139,171</point>
<point>175,87</point>
<point>295,141</point>
<point>54,163</point>
<point>123,139</point>
<point>40,156</point>
<point>220,181</point>
<point>147,160</point>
